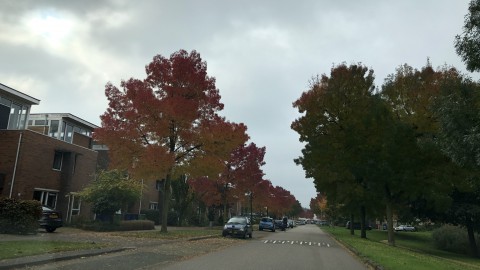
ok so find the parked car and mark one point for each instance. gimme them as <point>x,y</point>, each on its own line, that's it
<point>300,222</point>
<point>266,223</point>
<point>279,224</point>
<point>238,226</point>
<point>357,226</point>
<point>51,219</point>
<point>405,228</point>
<point>323,223</point>
<point>291,223</point>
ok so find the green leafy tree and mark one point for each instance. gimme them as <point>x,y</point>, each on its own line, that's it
<point>411,95</point>
<point>182,199</point>
<point>467,44</point>
<point>168,124</point>
<point>458,111</point>
<point>332,111</point>
<point>111,191</point>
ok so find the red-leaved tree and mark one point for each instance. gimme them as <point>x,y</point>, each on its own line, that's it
<point>167,125</point>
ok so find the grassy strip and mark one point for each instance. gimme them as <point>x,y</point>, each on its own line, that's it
<point>15,249</point>
<point>412,251</point>
<point>171,235</point>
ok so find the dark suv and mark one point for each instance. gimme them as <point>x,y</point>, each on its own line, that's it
<point>238,226</point>
<point>51,219</point>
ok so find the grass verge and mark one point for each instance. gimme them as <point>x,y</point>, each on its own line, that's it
<point>412,251</point>
<point>173,234</point>
<point>15,249</point>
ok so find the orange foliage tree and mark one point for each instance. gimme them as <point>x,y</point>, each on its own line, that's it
<point>168,124</point>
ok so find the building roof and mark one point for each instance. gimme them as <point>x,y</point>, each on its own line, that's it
<point>68,116</point>
<point>19,95</point>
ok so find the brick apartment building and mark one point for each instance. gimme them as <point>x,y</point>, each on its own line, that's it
<point>47,157</point>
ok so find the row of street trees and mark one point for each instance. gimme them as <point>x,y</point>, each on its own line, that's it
<point>167,127</point>
<point>410,148</point>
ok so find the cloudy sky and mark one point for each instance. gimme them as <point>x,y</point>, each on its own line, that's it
<point>262,54</point>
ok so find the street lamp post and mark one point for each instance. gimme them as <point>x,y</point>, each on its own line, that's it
<point>251,206</point>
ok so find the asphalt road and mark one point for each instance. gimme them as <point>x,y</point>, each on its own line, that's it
<point>303,247</point>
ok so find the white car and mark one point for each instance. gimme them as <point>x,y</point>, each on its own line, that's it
<point>405,228</point>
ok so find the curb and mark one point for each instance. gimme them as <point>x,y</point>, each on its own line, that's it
<point>203,237</point>
<point>23,262</point>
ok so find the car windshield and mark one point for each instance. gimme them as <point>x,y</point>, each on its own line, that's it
<point>237,220</point>
<point>266,220</point>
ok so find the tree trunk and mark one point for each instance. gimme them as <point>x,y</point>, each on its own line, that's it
<point>352,229</point>
<point>391,237</point>
<point>224,216</point>
<point>363,233</point>
<point>471,237</point>
<point>166,202</point>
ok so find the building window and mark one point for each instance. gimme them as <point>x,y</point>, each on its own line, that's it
<point>153,206</point>
<point>41,122</point>
<point>53,131</point>
<point>46,197</point>
<point>15,116</point>
<point>4,112</point>
<point>67,132</point>
<point>57,161</point>
<point>76,204</point>
<point>23,117</point>
<point>75,160</point>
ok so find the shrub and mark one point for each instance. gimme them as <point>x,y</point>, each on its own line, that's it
<point>451,238</point>
<point>153,215</point>
<point>19,216</point>
<point>136,225</point>
<point>124,225</point>
<point>172,219</point>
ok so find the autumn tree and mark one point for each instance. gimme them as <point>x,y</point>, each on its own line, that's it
<point>247,162</point>
<point>168,125</point>
<point>318,205</point>
<point>206,192</point>
<point>467,44</point>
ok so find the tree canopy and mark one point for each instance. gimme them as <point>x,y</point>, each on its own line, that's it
<point>168,125</point>
<point>467,44</point>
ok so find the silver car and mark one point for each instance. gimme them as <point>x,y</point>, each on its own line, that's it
<point>239,227</point>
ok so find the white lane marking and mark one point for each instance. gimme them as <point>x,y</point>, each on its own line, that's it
<point>319,244</point>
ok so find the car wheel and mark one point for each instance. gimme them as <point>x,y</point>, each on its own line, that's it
<point>50,229</point>
<point>260,229</point>
<point>245,235</point>
<point>273,230</point>
<point>224,234</point>
<point>250,235</point>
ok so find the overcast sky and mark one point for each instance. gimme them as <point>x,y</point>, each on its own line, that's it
<point>262,54</point>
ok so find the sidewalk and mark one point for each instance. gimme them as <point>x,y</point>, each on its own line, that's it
<point>118,244</point>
